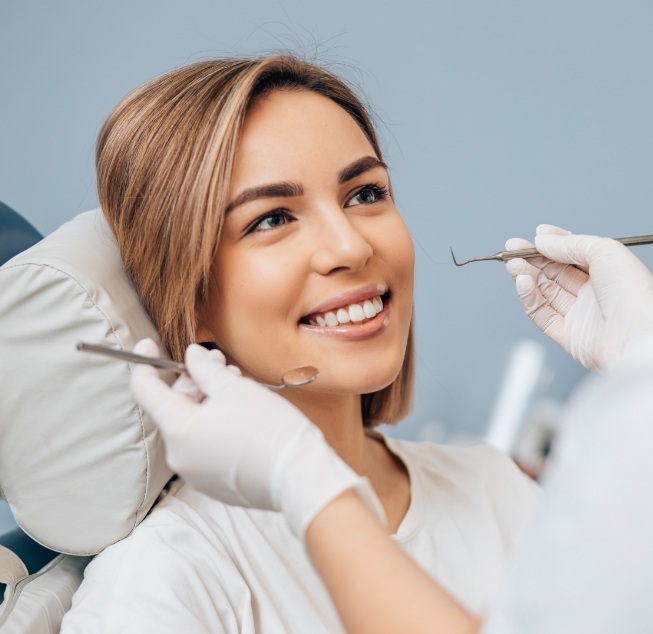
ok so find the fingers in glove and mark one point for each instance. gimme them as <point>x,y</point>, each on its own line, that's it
<point>515,244</point>
<point>186,386</point>
<point>541,313</point>
<point>209,370</point>
<point>568,277</point>
<point>571,249</point>
<point>553,291</point>
<point>218,355</point>
<point>551,229</point>
<point>519,243</point>
<point>154,394</point>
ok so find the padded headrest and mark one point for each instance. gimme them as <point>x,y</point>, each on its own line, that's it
<point>80,463</point>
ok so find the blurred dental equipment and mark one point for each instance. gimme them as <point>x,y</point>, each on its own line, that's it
<point>297,377</point>
<point>584,565</point>
<point>504,256</point>
<point>523,373</point>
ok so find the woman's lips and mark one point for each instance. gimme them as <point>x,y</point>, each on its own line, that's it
<point>355,312</point>
<point>353,331</point>
<point>347,297</point>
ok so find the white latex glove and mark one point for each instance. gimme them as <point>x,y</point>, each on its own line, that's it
<point>243,444</point>
<point>596,314</point>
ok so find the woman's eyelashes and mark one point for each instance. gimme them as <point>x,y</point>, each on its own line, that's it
<point>271,220</point>
<point>366,195</point>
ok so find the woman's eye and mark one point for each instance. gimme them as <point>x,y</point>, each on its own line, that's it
<point>367,195</point>
<point>270,221</point>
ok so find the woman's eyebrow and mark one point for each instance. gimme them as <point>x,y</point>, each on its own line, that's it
<point>273,190</point>
<point>288,189</point>
<point>358,167</point>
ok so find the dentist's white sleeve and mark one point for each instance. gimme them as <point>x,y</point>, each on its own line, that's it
<point>585,566</point>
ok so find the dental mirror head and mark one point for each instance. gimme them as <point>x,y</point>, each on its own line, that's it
<point>297,377</point>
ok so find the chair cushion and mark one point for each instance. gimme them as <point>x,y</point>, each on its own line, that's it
<point>80,463</point>
<point>37,603</point>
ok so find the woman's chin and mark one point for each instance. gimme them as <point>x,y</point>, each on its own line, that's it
<point>355,383</point>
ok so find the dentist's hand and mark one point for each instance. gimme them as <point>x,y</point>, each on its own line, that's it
<point>240,443</point>
<point>596,314</point>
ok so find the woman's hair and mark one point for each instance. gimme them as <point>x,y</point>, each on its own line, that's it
<point>164,162</point>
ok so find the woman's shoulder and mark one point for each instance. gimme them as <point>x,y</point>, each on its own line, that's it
<point>475,488</point>
<point>471,457</point>
<point>468,467</point>
<point>166,547</point>
<point>170,572</point>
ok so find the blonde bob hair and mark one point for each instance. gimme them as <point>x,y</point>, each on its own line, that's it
<point>164,161</point>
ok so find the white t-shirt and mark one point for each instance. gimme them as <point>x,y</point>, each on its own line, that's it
<point>195,565</point>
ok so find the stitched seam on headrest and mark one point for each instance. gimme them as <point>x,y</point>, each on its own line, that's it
<point>147,464</point>
<point>138,409</point>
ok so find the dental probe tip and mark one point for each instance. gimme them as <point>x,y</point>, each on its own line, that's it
<point>496,256</point>
<point>454,258</point>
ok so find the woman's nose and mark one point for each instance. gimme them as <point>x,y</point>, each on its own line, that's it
<point>340,245</point>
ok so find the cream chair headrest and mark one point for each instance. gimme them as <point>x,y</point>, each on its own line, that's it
<point>80,464</point>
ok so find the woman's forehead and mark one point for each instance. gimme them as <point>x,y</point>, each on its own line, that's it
<point>295,130</point>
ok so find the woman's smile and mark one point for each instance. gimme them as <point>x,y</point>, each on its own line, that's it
<point>351,315</point>
<point>315,264</point>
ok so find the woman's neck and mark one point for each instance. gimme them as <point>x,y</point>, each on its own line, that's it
<point>339,417</point>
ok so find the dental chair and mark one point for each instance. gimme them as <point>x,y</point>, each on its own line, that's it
<point>80,463</point>
<point>16,234</point>
<point>19,554</point>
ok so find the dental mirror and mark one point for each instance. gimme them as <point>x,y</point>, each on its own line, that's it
<point>297,377</point>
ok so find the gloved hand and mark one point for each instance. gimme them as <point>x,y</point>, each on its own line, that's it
<point>242,444</point>
<point>596,314</point>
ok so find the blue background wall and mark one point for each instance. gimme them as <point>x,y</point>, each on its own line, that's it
<point>496,115</point>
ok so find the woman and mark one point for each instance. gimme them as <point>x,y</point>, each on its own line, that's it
<point>253,210</point>
<point>584,565</point>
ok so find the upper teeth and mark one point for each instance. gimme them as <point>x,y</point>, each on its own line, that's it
<point>354,312</point>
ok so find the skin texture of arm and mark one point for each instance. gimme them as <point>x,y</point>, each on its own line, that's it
<point>372,581</point>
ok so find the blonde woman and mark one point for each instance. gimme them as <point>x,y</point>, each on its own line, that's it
<point>253,210</point>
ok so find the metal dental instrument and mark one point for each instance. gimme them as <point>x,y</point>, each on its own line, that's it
<point>504,256</point>
<point>293,378</point>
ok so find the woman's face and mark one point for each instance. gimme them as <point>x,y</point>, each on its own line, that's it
<point>312,246</point>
